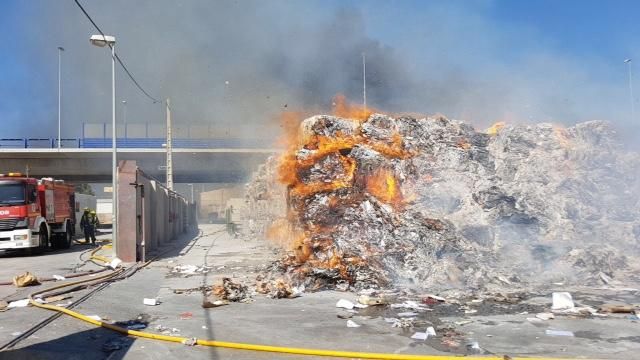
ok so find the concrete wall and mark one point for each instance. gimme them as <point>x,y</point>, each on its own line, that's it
<point>216,200</point>
<point>149,214</point>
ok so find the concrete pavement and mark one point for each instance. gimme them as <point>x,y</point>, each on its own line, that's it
<point>309,321</point>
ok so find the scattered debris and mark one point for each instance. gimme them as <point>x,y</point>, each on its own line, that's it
<point>403,323</point>
<point>150,302</point>
<point>463,322</point>
<point>617,309</point>
<point>167,331</point>
<point>279,289</point>
<point>190,341</point>
<point>352,324</point>
<point>115,263</point>
<point>432,299</point>
<point>420,336</point>
<point>26,279</point>
<point>207,303</point>
<point>230,290</point>
<point>202,289</point>
<point>473,347</point>
<point>411,305</point>
<point>558,332</point>
<point>562,301</point>
<point>3,305</point>
<point>545,316</point>
<point>139,323</point>
<point>431,331</point>
<point>424,335</point>
<point>345,304</point>
<point>59,277</point>
<point>18,303</point>
<point>369,300</point>
<point>190,269</point>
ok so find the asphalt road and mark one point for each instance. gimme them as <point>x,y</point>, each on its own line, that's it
<point>310,321</point>
<point>51,262</point>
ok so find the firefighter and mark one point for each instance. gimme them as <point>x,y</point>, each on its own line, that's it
<point>84,225</point>
<point>93,220</point>
<point>88,223</point>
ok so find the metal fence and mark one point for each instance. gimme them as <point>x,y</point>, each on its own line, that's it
<point>143,135</point>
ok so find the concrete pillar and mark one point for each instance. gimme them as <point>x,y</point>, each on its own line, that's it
<point>127,212</point>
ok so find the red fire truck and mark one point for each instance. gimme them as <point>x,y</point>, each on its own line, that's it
<point>35,214</point>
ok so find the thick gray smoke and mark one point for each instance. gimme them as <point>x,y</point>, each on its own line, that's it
<point>238,64</point>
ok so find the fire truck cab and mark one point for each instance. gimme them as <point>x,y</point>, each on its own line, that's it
<point>35,214</point>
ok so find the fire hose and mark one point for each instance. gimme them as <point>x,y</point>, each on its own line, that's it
<point>244,346</point>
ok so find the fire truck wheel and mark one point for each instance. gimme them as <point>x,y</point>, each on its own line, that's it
<point>43,241</point>
<point>67,239</point>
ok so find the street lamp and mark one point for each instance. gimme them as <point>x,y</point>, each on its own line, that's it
<point>102,41</point>
<point>628,62</point>
<point>124,116</point>
<point>60,50</point>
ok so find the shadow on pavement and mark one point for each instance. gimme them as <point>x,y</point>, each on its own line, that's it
<point>175,247</point>
<point>90,344</point>
<point>76,248</point>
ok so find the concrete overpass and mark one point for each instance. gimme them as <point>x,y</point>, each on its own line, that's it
<point>93,165</point>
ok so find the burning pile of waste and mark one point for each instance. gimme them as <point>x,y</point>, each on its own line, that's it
<point>369,201</point>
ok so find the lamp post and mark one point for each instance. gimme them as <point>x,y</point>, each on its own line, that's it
<point>124,116</point>
<point>628,62</point>
<point>102,41</point>
<point>60,50</point>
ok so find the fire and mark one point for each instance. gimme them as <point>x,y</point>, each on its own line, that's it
<point>463,144</point>
<point>289,124</point>
<point>282,233</point>
<point>494,129</point>
<point>383,185</point>
<point>344,109</point>
<point>562,135</point>
<point>393,149</point>
<point>299,188</point>
<point>328,159</point>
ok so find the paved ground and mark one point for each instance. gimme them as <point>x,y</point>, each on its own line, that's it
<point>307,321</point>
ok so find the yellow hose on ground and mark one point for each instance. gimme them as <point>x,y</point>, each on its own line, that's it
<point>242,346</point>
<point>102,259</point>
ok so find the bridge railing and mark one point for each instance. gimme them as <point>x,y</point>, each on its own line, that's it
<point>139,143</point>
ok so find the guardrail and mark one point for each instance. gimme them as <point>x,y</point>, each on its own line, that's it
<point>140,143</point>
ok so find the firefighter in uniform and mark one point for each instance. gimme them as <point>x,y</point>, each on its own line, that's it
<point>88,223</point>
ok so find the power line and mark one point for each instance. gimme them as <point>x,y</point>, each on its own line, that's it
<point>116,55</point>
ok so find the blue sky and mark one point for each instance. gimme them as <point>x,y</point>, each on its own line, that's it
<point>481,61</point>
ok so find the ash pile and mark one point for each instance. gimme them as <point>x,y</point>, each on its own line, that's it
<point>433,203</point>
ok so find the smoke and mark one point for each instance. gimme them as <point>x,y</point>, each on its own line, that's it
<point>237,64</point>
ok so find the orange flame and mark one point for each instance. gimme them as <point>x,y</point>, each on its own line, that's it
<point>282,233</point>
<point>562,135</point>
<point>342,108</point>
<point>494,129</point>
<point>305,239</point>
<point>383,185</point>
<point>302,189</point>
